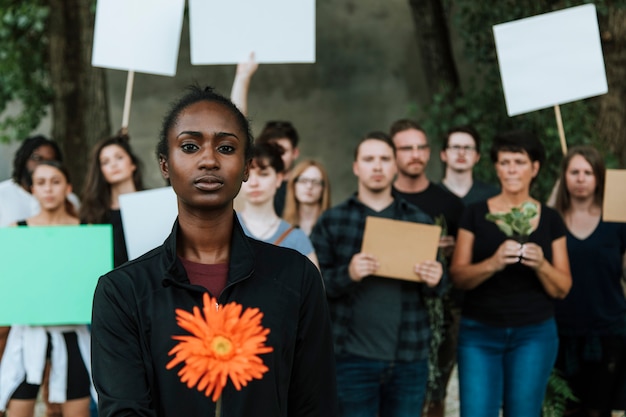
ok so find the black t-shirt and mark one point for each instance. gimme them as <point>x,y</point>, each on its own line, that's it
<point>120,254</point>
<point>514,296</point>
<point>435,201</point>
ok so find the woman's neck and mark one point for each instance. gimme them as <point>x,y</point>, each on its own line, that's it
<point>511,200</point>
<point>584,205</point>
<point>118,189</point>
<point>205,237</point>
<point>308,215</point>
<point>53,217</point>
<point>259,212</point>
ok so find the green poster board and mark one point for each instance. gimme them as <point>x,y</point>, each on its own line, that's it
<point>48,274</point>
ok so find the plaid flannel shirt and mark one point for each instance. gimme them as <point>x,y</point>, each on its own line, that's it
<point>337,237</point>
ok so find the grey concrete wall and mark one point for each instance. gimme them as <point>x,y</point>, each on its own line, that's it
<point>366,75</point>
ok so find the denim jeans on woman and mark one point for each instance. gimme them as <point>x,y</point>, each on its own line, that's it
<point>370,388</point>
<point>505,367</point>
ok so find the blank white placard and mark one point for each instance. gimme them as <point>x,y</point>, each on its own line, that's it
<point>138,35</point>
<point>147,217</point>
<point>278,31</point>
<point>550,59</point>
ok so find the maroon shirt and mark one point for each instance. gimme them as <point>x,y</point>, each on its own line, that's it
<point>210,276</point>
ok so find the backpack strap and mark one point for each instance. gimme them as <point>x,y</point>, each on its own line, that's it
<point>283,236</point>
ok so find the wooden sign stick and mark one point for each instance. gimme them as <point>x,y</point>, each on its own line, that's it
<point>559,125</point>
<point>130,80</point>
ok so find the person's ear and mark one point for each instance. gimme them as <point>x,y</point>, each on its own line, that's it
<point>535,168</point>
<point>246,170</point>
<point>443,156</point>
<point>279,179</point>
<point>163,166</point>
<point>68,190</point>
<point>296,153</point>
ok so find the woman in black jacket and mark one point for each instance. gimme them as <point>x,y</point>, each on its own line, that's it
<point>204,152</point>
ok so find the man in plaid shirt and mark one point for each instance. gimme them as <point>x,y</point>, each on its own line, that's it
<point>380,325</point>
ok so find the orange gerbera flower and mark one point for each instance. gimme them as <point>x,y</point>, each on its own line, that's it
<point>224,343</point>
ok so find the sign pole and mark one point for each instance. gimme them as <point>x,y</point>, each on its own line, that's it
<point>559,125</point>
<point>130,80</point>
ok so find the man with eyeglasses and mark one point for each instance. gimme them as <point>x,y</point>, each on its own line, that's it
<point>460,153</point>
<point>413,185</point>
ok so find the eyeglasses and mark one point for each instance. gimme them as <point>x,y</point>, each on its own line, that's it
<point>313,182</point>
<point>459,148</point>
<point>410,148</point>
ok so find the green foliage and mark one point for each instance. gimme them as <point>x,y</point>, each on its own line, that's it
<point>23,66</point>
<point>558,393</point>
<point>481,100</point>
<point>517,221</point>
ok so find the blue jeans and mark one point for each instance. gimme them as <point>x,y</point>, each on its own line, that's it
<point>370,388</point>
<point>505,367</point>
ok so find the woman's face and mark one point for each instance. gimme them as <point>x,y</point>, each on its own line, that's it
<point>515,171</point>
<point>579,178</point>
<point>50,187</point>
<point>309,186</point>
<point>116,164</point>
<point>206,159</point>
<point>261,185</point>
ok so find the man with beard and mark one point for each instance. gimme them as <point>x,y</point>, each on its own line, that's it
<point>380,325</point>
<point>412,184</point>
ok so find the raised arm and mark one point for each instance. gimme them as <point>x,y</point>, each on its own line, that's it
<point>241,84</point>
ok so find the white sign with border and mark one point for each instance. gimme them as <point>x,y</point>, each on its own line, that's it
<point>138,35</point>
<point>277,31</point>
<point>550,59</point>
<point>147,217</point>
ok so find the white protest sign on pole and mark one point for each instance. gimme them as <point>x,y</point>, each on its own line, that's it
<point>147,218</point>
<point>551,59</point>
<point>138,35</point>
<point>277,31</point>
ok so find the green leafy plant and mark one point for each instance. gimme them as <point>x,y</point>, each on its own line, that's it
<point>558,393</point>
<point>515,223</point>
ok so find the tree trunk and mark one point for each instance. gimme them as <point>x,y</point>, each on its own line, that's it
<point>80,108</point>
<point>431,28</point>
<point>611,122</point>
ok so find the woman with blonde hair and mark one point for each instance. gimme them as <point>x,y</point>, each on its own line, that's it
<point>308,195</point>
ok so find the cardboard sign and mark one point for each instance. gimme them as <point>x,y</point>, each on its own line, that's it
<point>138,35</point>
<point>614,207</point>
<point>399,245</point>
<point>550,59</point>
<point>147,218</point>
<point>49,273</point>
<point>277,31</point>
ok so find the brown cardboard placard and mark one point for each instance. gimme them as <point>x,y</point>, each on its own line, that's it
<point>614,207</point>
<point>399,245</point>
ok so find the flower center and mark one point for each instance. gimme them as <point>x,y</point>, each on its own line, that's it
<point>222,347</point>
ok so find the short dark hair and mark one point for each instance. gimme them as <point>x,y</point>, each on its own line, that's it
<point>194,95</point>
<point>518,141</point>
<point>462,129</point>
<point>404,124</point>
<point>375,135</point>
<point>277,129</point>
<point>20,173</point>
<point>268,155</point>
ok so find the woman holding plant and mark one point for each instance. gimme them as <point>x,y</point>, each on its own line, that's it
<point>592,318</point>
<point>511,258</point>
